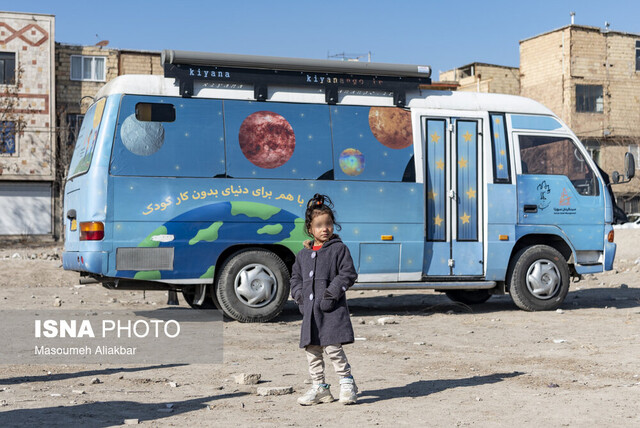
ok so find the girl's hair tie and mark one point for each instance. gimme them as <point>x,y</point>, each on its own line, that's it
<point>316,201</point>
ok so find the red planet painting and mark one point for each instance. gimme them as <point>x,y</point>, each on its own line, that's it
<point>266,139</point>
<point>391,126</point>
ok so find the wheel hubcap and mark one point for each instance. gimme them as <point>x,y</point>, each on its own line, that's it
<point>543,279</point>
<point>255,285</point>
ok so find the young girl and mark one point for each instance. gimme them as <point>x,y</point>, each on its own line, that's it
<point>322,273</point>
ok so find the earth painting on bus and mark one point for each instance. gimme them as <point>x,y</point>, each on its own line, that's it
<point>351,162</point>
<point>391,126</point>
<point>267,139</point>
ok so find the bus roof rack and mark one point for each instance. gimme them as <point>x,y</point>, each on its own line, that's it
<point>261,71</point>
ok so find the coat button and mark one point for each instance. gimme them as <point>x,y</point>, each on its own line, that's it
<point>311,296</point>
<point>313,255</point>
<point>311,274</point>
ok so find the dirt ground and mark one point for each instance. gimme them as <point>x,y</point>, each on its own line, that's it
<point>438,365</point>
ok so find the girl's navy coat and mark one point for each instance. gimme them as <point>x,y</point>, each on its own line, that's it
<point>319,280</point>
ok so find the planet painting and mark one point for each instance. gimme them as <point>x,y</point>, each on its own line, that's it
<point>391,126</point>
<point>351,162</point>
<point>141,138</point>
<point>266,139</point>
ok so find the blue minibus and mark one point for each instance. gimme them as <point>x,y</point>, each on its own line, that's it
<point>197,182</point>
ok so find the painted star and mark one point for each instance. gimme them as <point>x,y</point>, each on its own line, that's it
<point>500,167</point>
<point>435,138</point>
<point>439,164</point>
<point>465,218</point>
<point>467,137</point>
<point>438,220</point>
<point>497,121</point>
<point>496,135</point>
<point>432,195</point>
<point>462,162</point>
<point>502,152</point>
<point>471,193</point>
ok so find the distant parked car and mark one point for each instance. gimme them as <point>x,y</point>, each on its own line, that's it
<point>633,223</point>
<point>619,216</point>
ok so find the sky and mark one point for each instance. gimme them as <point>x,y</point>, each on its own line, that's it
<point>442,34</point>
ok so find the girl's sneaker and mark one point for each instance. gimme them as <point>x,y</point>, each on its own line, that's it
<point>348,391</point>
<point>316,395</point>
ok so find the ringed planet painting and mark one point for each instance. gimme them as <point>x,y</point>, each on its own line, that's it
<point>266,139</point>
<point>351,162</point>
<point>391,126</point>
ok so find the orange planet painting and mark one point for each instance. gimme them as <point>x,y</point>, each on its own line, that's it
<point>266,139</point>
<point>391,126</point>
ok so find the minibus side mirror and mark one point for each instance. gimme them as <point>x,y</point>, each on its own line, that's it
<point>629,166</point>
<point>629,170</point>
<point>615,177</point>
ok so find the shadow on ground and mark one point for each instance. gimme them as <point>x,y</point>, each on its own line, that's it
<point>423,388</point>
<point>105,413</point>
<point>387,303</point>
<point>73,375</point>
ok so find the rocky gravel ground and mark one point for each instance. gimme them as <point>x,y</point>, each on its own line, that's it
<point>418,359</point>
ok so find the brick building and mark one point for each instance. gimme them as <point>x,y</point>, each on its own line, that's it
<point>480,77</point>
<point>27,121</point>
<point>82,70</point>
<point>590,77</point>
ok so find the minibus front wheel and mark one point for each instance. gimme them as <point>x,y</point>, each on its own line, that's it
<point>538,278</point>
<point>253,285</point>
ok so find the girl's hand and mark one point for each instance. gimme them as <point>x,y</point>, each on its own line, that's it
<point>327,305</point>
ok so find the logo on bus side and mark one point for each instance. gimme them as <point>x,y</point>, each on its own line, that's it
<point>198,72</point>
<point>544,190</point>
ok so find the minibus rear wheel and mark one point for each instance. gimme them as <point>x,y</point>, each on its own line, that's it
<point>538,278</point>
<point>188,293</point>
<point>253,285</point>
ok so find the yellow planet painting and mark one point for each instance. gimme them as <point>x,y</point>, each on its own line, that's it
<point>391,126</point>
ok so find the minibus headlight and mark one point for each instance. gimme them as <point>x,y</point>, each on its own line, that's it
<point>91,231</point>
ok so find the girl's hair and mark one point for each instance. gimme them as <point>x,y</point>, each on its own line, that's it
<point>319,204</point>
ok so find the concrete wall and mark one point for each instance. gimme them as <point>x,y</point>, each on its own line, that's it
<point>137,62</point>
<point>485,78</point>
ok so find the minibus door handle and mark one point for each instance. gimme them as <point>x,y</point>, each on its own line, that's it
<point>530,208</point>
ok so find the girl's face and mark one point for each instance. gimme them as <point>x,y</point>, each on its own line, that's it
<point>321,228</point>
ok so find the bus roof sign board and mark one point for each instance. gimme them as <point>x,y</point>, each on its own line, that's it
<point>262,71</point>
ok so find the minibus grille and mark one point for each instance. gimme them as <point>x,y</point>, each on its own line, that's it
<point>144,259</point>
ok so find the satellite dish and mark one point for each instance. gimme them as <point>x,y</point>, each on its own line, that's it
<point>102,43</point>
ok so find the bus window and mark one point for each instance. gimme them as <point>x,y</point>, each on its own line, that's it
<point>372,143</point>
<point>501,170</point>
<point>277,140</point>
<point>557,156</point>
<point>148,143</point>
<point>155,112</point>
<point>86,142</point>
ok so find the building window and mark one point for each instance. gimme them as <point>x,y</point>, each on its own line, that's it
<point>74,122</point>
<point>637,55</point>
<point>91,68</point>
<point>7,137</point>
<point>635,151</point>
<point>7,68</point>
<point>589,99</point>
